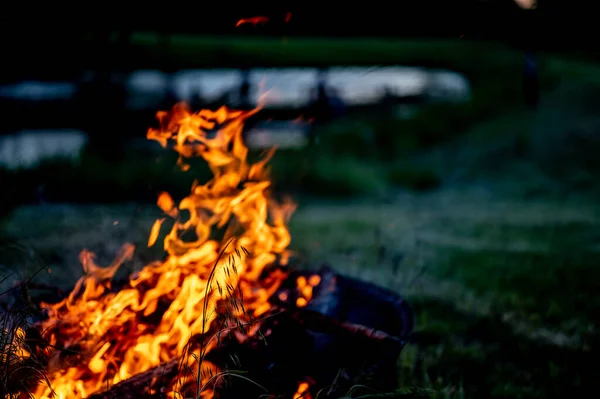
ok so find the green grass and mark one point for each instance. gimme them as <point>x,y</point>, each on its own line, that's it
<point>504,289</point>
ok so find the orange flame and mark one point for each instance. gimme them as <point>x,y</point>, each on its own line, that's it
<point>14,350</point>
<point>260,20</point>
<point>305,288</point>
<point>150,320</point>
<point>302,391</point>
<point>252,20</point>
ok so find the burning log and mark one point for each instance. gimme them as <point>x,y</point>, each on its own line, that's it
<point>295,341</point>
<point>142,383</point>
<point>317,322</point>
<point>157,377</point>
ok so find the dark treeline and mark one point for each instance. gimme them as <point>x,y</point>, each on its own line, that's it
<point>554,24</point>
<point>65,40</point>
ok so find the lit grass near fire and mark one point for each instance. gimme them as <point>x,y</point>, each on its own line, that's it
<point>503,289</point>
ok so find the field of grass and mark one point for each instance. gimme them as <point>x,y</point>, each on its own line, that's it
<point>504,289</point>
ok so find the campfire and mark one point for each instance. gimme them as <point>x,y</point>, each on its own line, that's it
<point>223,315</point>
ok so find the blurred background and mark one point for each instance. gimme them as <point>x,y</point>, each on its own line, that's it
<point>447,150</point>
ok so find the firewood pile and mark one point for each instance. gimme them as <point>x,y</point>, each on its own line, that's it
<point>349,332</point>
